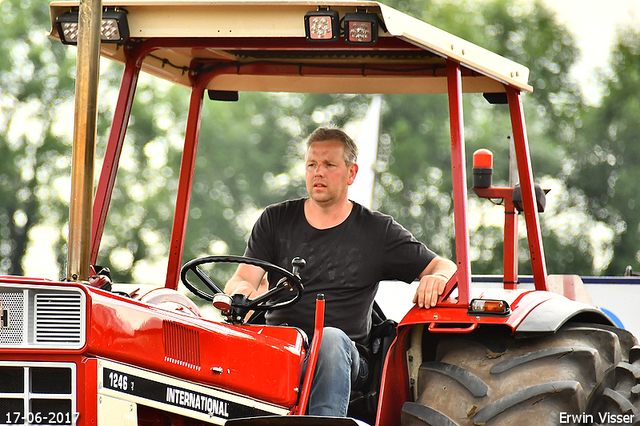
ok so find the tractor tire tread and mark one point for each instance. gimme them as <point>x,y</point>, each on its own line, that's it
<point>497,379</point>
<point>539,391</point>
<point>622,403</point>
<point>426,416</point>
<point>467,379</point>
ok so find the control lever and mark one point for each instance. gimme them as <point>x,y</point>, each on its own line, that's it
<point>297,263</point>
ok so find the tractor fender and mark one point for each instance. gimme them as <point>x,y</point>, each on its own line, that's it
<point>551,314</point>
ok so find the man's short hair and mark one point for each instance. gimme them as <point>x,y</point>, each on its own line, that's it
<point>324,134</point>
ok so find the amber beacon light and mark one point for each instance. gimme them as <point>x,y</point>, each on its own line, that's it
<point>482,168</point>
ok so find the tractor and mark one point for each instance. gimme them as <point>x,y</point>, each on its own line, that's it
<point>85,351</point>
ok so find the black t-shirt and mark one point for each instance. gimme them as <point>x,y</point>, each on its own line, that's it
<point>345,263</point>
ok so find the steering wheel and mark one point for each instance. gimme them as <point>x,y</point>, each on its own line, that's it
<point>241,303</point>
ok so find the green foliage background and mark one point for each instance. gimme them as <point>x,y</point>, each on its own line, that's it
<point>249,152</point>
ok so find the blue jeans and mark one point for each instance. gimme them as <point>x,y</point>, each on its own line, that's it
<point>338,368</point>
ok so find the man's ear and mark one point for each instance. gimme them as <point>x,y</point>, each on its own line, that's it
<point>353,171</point>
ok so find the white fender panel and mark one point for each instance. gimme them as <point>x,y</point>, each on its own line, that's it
<point>550,315</point>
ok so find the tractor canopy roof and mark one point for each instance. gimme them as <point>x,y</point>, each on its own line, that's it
<point>263,46</point>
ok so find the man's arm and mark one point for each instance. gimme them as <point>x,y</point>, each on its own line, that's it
<point>246,280</point>
<point>433,280</point>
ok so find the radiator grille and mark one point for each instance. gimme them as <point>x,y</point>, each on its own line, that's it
<point>58,318</point>
<point>42,316</point>
<point>181,345</point>
<point>38,393</point>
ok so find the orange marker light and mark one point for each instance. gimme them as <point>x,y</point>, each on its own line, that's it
<point>488,307</point>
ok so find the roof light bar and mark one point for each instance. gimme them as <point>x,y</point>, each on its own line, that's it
<point>115,28</point>
<point>361,27</point>
<point>489,307</point>
<point>322,25</point>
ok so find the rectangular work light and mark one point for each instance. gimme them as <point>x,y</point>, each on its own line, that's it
<point>115,28</point>
<point>322,25</point>
<point>361,27</point>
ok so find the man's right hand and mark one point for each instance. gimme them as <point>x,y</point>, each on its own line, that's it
<point>248,280</point>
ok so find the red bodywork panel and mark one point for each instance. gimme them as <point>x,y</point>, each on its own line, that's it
<point>86,386</point>
<point>250,358</point>
<point>245,359</point>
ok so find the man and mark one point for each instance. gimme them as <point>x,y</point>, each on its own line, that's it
<point>348,250</point>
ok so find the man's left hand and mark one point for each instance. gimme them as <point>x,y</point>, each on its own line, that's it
<point>429,289</point>
<point>433,281</point>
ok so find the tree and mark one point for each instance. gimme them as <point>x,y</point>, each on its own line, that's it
<point>250,151</point>
<point>418,194</point>
<point>605,159</point>
<point>37,83</point>
<point>251,156</point>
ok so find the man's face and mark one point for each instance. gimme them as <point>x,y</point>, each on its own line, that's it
<point>327,174</point>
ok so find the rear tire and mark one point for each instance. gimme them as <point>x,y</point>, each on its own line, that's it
<point>492,379</point>
<point>618,402</point>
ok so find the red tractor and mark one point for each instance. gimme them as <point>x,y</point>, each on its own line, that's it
<point>72,352</point>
